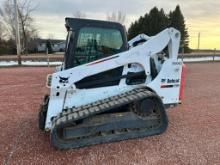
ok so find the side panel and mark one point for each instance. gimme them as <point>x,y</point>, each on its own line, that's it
<point>167,83</point>
<point>86,96</point>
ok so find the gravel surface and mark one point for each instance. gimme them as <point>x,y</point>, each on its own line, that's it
<point>193,135</point>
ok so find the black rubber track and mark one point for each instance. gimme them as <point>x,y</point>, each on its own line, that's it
<point>43,113</point>
<point>68,117</point>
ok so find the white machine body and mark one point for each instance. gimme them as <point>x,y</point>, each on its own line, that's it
<point>64,94</point>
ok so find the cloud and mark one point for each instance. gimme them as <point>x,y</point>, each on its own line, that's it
<point>91,6</point>
<point>200,15</point>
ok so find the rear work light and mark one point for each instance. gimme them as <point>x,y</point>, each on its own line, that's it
<point>182,83</point>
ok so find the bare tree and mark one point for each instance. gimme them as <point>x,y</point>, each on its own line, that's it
<point>116,17</point>
<point>79,14</point>
<point>1,27</point>
<point>2,32</point>
<point>7,19</point>
<point>26,22</point>
<point>27,30</point>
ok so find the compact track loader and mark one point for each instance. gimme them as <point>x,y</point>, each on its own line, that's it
<point>109,89</point>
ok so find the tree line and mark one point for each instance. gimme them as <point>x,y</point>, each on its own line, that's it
<point>151,23</point>
<point>157,20</point>
<point>28,32</point>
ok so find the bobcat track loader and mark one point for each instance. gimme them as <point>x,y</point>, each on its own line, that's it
<point>109,89</point>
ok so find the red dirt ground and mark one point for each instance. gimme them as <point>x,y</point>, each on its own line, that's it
<point>193,135</point>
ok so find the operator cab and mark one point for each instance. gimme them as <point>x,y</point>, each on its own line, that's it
<point>90,40</point>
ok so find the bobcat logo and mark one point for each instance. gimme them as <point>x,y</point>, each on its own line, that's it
<point>64,79</point>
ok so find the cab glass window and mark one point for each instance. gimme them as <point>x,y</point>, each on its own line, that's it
<point>96,43</point>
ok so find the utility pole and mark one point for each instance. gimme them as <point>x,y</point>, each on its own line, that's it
<point>198,40</point>
<point>18,42</point>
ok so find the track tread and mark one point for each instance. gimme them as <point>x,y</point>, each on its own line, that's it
<point>82,112</point>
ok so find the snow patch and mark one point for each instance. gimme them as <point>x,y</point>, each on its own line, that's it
<point>30,63</point>
<point>201,59</point>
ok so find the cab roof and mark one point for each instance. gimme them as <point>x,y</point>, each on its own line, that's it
<point>77,23</point>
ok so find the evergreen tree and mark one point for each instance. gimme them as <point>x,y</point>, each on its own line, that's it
<point>177,21</point>
<point>156,21</point>
<point>132,30</point>
<point>136,28</point>
<point>150,24</point>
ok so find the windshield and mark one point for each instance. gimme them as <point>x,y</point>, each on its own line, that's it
<point>95,43</point>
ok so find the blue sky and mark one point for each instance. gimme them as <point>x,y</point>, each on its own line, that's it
<point>201,15</point>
